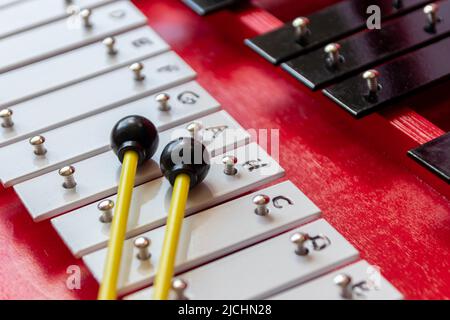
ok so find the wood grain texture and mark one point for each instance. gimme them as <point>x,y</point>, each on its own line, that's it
<point>355,171</point>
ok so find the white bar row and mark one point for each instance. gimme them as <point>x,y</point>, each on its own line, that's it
<point>213,233</point>
<point>83,232</point>
<point>97,177</point>
<point>259,271</point>
<point>93,96</point>
<point>67,34</point>
<point>77,65</point>
<point>25,15</point>
<point>91,136</point>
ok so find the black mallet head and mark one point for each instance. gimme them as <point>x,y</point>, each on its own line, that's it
<point>135,133</point>
<point>185,155</point>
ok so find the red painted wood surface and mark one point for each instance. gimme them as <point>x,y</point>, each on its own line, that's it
<point>355,171</point>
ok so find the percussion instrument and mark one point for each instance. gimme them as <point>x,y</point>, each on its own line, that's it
<point>224,149</point>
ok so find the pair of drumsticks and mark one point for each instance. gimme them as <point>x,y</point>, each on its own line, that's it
<point>184,162</point>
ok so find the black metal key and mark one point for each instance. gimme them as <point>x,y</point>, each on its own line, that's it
<point>435,155</point>
<point>363,50</point>
<point>327,25</point>
<point>203,7</point>
<point>393,80</point>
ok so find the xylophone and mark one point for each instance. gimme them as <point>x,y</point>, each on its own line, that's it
<point>294,198</point>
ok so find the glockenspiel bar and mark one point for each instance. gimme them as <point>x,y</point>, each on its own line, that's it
<point>205,235</point>
<point>365,93</point>
<point>367,283</point>
<point>110,90</point>
<point>203,7</point>
<point>91,135</point>
<point>435,156</point>
<point>29,14</point>
<point>97,177</point>
<point>366,49</point>
<point>151,200</point>
<point>67,34</point>
<point>78,65</point>
<point>299,36</point>
<point>266,268</point>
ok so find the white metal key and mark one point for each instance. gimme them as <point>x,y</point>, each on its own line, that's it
<point>211,234</point>
<point>358,281</point>
<point>97,177</point>
<point>67,34</point>
<point>91,135</point>
<point>95,95</point>
<point>151,200</point>
<point>265,268</point>
<point>29,14</point>
<point>78,65</point>
<point>80,243</point>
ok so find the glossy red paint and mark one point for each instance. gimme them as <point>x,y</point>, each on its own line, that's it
<point>356,171</point>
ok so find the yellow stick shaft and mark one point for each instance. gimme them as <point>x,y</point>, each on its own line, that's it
<point>108,286</point>
<point>175,216</point>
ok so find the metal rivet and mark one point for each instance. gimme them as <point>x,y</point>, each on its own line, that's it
<point>299,239</point>
<point>85,15</point>
<point>67,173</point>
<point>346,284</point>
<point>194,128</point>
<point>142,244</point>
<point>179,286</point>
<point>110,44</point>
<point>300,25</point>
<point>332,51</point>
<point>430,11</point>
<point>163,101</point>
<point>230,163</point>
<point>371,76</point>
<point>106,208</point>
<point>38,144</point>
<point>261,201</point>
<point>6,116</point>
<point>137,68</point>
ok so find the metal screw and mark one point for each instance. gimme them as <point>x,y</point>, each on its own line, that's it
<point>137,68</point>
<point>300,25</point>
<point>163,101</point>
<point>332,50</point>
<point>230,163</point>
<point>430,11</point>
<point>194,128</point>
<point>371,76</point>
<point>142,244</point>
<point>110,43</point>
<point>85,15</point>
<point>106,208</point>
<point>6,116</point>
<point>67,173</point>
<point>38,144</point>
<point>346,284</point>
<point>299,239</point>
<point>179,286</point>
<point>261,201</point>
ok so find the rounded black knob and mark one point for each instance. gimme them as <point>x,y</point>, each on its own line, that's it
<point>135,133</point>
<point>185,155</point>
